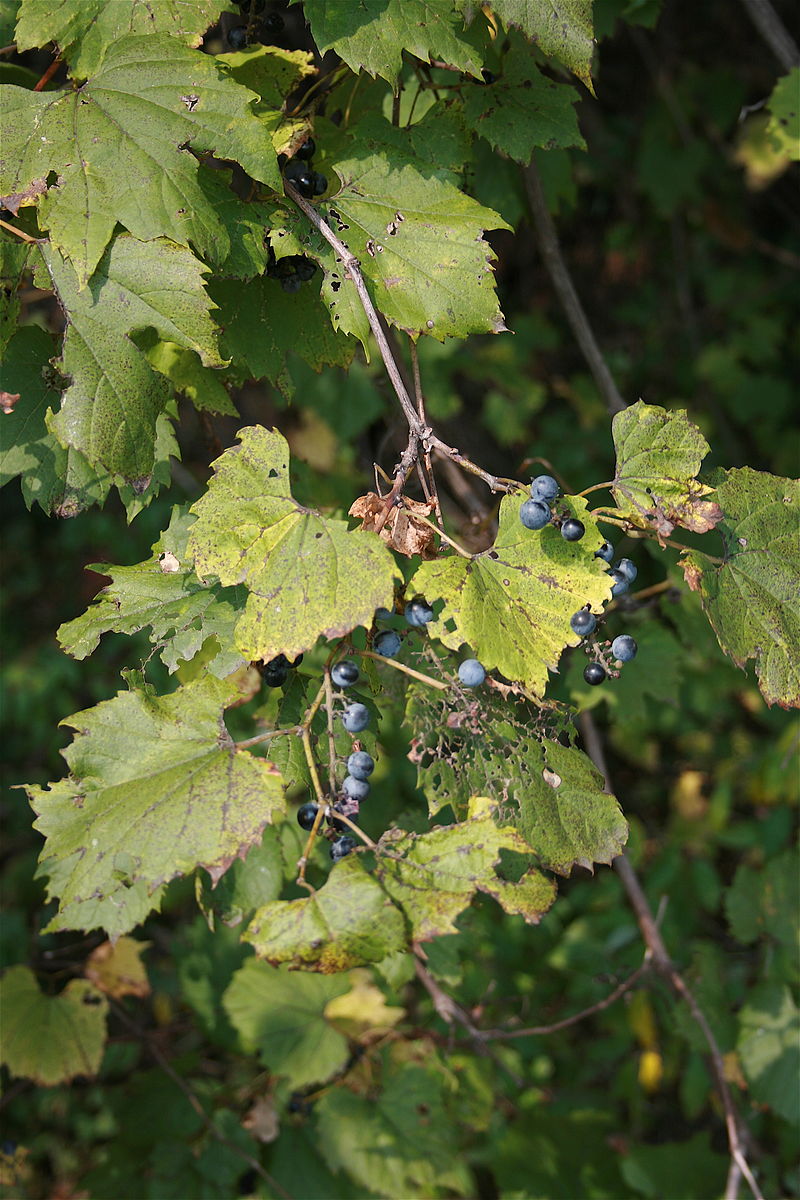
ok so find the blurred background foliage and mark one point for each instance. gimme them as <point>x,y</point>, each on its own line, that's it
<point>679,225</point>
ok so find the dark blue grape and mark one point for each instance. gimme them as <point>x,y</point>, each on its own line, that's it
<point>606,552</point>
<point>355,789</point>
<point>418,613</point>
<point>306,815</point>
<point>360,764</point>
<point>620,583</point>
<point>355,718</point>
<point>624,648</point>
<point>387,643</point>
<point>344,673</point>
<point>594,673</point>
<point>471,673</point>
<point>306,151</point>
<point>275,672</point>
<point>544,487</point>
<point>320,184</point>
<point>237,37</point>
<point>573,530</point>
<point>626,569</point>
<point>535,514</point>
<point>342,847</point>
<point>583,622</point>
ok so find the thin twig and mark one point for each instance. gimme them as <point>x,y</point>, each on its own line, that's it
<point>331,735</point>
<point>48,75</point>
<point>774,32</point>
<point>398,666</point>
<point>25,237</point>
<point>565,290</point>
<point>541,1030</point>
<point>168,1069</point>
<point>444,536</point>
<point>664,964</point>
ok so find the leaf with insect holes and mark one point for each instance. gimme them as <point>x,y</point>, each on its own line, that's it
<point>51,1039</point>
<point>85,31</point>
<point>181,612</point>
<point>149,103</point>
<point>156,789</point>
<point>435,876</point>
<point>110,410</point>
<point>348,922</point>
<point>512,603</point>
<point>523,108</point>
<point>659,453</point>
<point>373,34</point>
<point>751,598</point>
<point>280,1015</point>
<point>307,576</point>
<point>504,748</point>
<point>561,29</point>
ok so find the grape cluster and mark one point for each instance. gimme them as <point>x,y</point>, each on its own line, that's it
<point>300,171</point>
<point>240,36</point>
<point>276,671</point>
<point>292,271</point>
<point>538,511</point>
<point>623,648</point>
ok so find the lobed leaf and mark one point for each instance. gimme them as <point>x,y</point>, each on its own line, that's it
<point>659,453</point>
<point>51,1039</point>
<point>157,789</point>
<point>751,598</point>
<point>150,100</point>
<point>561,29</point>
<point>769,1048</point>
<point>373,34</point>
<point>512,603</point>
<point>307,576</point>
<point>110,410</point>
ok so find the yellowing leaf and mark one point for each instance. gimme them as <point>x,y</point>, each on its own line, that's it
<point>363,1010</point>
<point>51,1039</point>
<point>117,968</point>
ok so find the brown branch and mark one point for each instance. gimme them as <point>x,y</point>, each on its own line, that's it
<point>168,1069</point>
<point>48,75</point>
<point>660,958</point>
<point>541,1030</point>
<point>774,32</point>
<point>565,290</point>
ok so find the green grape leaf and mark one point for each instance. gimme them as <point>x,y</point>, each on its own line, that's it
<point>261,322</point>
<point>162,594</point>
<point>117,913</point>
<point>273,74</point>
<point>561,29</point>
<point>766,901</point>
<point>157,788</point>
<point>243,253</point>
<point>306,575</point>
<point>659,453</point>
<point>84,30</point>
<point>280,1015</point>
<point>784,114</point>
<point>149,101</point>
<point>523,108</point>
<point>492,745</point>
<point>398,1142</point>
<point>51,1039</point>
<point>13,261</point>
<point>246,885</point>
<point>689,1168</point>
<point>769,1048</point>
<point>512,603</point>
<point>751,596</point>
<point>374,33</point>
<point>109,411</point>
<point>187,375</point>
<point>434,877</point>
<point>60,480</point>
<point>348,922</point>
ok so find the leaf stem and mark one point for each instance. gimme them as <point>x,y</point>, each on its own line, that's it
<point>391,662</point>
<point>25,237</point>
<point>265,737</point>
<point>596,487</point>
<point>444,536</point>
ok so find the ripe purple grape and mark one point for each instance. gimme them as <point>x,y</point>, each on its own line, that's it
<point>544,487</point>
<point>535,514</point>
<point>344,673</point>
<point>624,648</point>
<point>594,673</point>
<point>387,643</point>
<point>237,37</point>
<point>275,672</point>
<point>306,151</point>
<point>360,765</point>
<point>573,530</point>
<point>620,583</point>
<point>583,622</point>
<point>471,673</point>
<point>355,718</point>
<point>606,552</point>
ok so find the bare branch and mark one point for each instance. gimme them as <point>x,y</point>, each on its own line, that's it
<point>774,32</point>
<point>660,958</point>
<point>541,1030</point>
<point>565,290</point>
